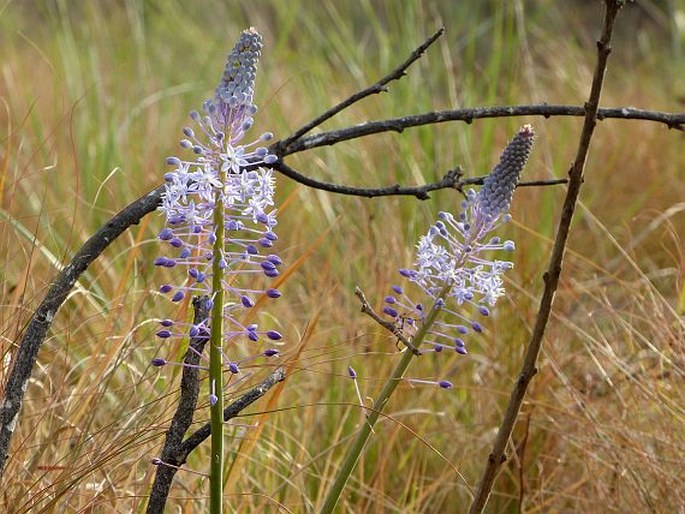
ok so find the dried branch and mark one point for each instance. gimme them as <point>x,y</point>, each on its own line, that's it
<point>230,412</point>
<point>373,89</point>
<point>174,455</point>
<point>671,120</point>
<point>183,417</point>
<point>451,180</point>
<point>24,357</point>
<point>551,276</point>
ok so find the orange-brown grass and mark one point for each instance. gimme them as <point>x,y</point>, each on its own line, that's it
<point>93,98</point>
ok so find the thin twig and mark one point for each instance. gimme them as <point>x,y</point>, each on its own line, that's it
<point>235,408</point>
<point>451,180</point>
<point>373,89</point>
<point>551,276</point>
<point>176,456</point>
<point>671,120</point>
<point>391,327</point>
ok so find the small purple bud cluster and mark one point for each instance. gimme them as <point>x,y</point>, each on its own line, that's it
<point>450,267</point>
<point>231,175</point>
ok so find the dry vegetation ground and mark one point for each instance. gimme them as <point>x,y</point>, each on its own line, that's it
<point>93,97</point>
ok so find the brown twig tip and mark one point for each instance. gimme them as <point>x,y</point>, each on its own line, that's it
<point>389,326</point>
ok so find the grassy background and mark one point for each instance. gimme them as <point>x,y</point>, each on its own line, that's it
<point>93,96</point>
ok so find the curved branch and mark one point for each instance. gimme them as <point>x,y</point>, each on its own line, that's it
<point>25,355</point>
<point>671,120</point>
<point>450,180</point>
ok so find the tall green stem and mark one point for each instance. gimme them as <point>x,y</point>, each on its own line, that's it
<point>216,483</point>
<point>395,378</point>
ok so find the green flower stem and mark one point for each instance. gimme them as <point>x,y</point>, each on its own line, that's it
<point>216,483</point>
<point>395,378</point>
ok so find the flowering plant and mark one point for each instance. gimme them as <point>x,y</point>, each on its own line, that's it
<point>457,280</point>
<point>220,224</point>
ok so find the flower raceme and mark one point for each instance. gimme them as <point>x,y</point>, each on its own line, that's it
<point>450,267</point>
<point>219,210</point>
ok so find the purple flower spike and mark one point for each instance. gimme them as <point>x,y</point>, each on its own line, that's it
<point>158,362</point>
<point>271,352</point>
<point>498,187</point>
<point>450,265</point>
<point>352,373</point>
<point>222,171</point>
<point>445,384</point>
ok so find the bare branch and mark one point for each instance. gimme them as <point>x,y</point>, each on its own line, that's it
<point>551,276</point>
<point>183,417</point>
<point>230,412</point>
<point>24,357</point>
<point>451,180</point>
<point>671,120</point>
<point>373,89</point>
<point>175,455</point>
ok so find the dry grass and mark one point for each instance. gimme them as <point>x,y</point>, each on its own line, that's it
<point>93,98</point>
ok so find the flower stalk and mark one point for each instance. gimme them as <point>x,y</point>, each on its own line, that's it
<point>216,386</point>
<point>220,225</point>
<point>457,279</point>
